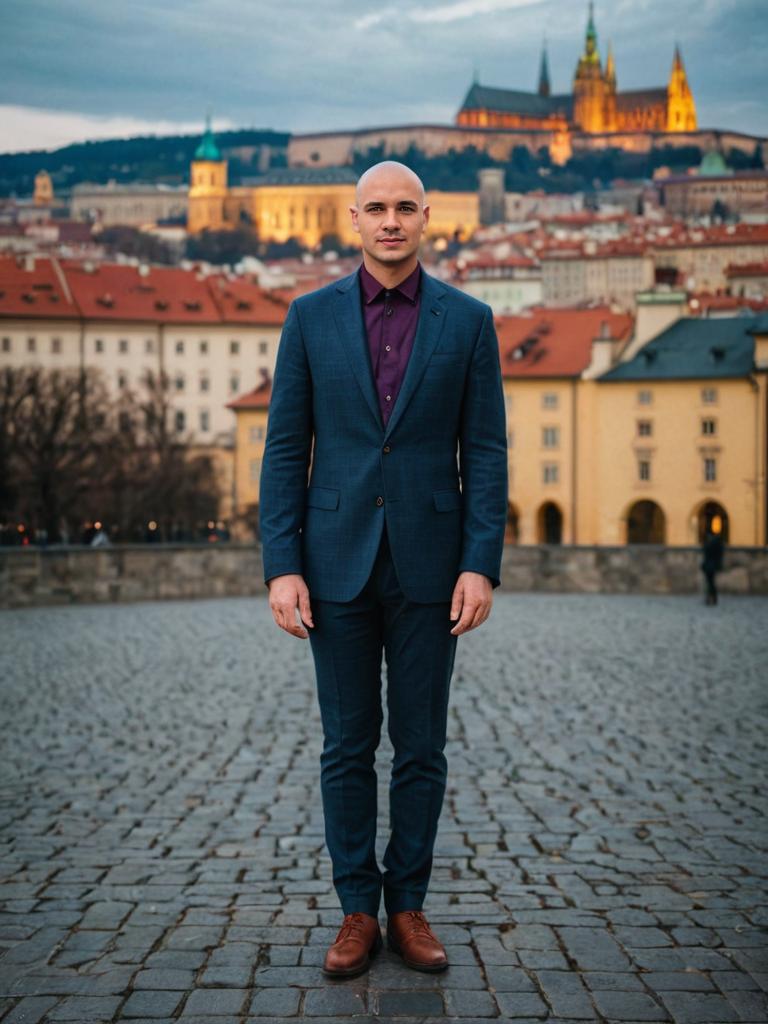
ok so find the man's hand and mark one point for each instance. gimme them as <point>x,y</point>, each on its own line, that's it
<point>286,594</point>
<point>472,600</point>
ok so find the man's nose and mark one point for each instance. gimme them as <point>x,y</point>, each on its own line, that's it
<point>391,220</point>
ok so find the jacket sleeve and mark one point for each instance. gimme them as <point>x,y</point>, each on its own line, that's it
<point>483,459</point>
<point>287,450</point>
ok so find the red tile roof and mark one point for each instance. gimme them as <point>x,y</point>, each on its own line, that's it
<point>256,399</point>
<point>34,287</point>
<point>555,342</point>
<point>43,286</point>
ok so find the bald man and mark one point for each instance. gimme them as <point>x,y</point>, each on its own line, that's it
<point>388,384</point>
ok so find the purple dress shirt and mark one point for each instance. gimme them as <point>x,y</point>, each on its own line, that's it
<point>390,316</point>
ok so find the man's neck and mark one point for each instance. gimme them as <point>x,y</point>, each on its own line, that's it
<point>390,275</point>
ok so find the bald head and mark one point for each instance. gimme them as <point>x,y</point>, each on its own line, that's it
<point>389,173</point>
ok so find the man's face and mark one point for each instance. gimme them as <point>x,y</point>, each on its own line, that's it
<point>390,216</point>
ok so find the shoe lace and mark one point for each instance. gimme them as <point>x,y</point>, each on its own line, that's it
<point>351,926</point>
<point>419,923</point>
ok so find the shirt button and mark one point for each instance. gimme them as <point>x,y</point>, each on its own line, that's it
<point>388,348</point>
<point>388,398</point>
<point>379,500</point>
<point>387,448</point>
<point>389,311</point>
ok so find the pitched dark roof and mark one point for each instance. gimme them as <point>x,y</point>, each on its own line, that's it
<point>631,98</point>
<point>513,101</point>
<point>691,349</point>
<point>305,176</point>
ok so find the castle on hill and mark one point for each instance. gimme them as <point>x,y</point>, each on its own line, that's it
<point>595,105</point>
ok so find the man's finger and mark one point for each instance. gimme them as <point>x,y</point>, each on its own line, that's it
<point>456,602</point>
<point>304,608</point>
<point>468,613</point>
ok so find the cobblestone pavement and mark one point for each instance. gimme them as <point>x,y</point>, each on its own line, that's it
<point>601,853</point>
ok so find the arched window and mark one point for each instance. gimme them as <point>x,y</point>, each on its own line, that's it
<point>550,524</point>
<point>645,523</point>
<point>512,531</point>
<point>712,518</point>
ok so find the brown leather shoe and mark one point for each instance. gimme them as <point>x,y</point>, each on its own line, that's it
<point>409,935</point>
<point>358,940</point>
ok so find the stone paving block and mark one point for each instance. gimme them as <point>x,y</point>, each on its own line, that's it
<point>275,1002</point>
<point>628,1006</point>
<point>337,1000</point>
<point>215,1002</point>
<point>30,1010</point>
<point>405,1003</point>
<point>159,978</point>
<point>524,1005</point>
<point>151,1004</point>
<point>85,1008</point>
<point>459,1003</point>
<point>698,1008</point>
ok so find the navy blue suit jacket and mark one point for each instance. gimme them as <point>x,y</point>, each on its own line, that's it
<point>332,473</point>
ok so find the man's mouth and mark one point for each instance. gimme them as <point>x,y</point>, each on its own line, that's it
<point>391,240</point>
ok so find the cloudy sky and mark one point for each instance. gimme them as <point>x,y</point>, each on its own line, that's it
<point>80,69</point>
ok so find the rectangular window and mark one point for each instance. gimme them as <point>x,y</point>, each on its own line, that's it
<point>255,434</point>
<point>710,470</point>
<point>709,396</point>
<point>149,346</point>
<point>98,345</point>
<point>6,344</point>
<point>263,348</point>
<point>122,380</point>
<point>234,348</point>
<point>709,427</point>
<point>178,383</point>
<point>204,420</point>
<point>550,437</point>
<point>550,473</point>
<point>180,347</point>
<point>56,345</point>
<point>644,470</point>
<point>549,400</point>
<point>31,345</point>
<point>255,468</point>
<point>180,420</point>
<point>644,397</point>
<point>205,384</point>
<point>644,428</point>
<point>203,348</point>
<point>234,383</point>
<point>123,345</point>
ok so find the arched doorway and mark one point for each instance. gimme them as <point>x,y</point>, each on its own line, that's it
<point>712,518</point>
<point>645,523</point>
<point>512,531</point>
<point>550,524</point>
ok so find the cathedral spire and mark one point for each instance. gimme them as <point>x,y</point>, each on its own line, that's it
<point>544,87</point>
<point>610,67</point>
<point>681,110</point>
<point>590,43</point>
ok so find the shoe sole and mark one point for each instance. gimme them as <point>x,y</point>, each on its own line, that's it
<point>414,964</point>
<point>353,972</point>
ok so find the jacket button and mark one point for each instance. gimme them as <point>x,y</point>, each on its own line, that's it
<point>379,500</point>
<point>387,448</point>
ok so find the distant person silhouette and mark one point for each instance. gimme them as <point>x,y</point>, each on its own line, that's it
<point>712,558</point>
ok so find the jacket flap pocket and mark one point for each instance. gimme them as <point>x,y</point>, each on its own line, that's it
<point>446,501</point>
<point>323,497</point>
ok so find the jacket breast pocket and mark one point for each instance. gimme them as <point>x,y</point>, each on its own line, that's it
<point>323,497</point>
<point>447,501</point>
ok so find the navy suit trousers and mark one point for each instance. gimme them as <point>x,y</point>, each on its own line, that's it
<point>348,641</point>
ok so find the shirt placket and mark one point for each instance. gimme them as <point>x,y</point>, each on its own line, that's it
<point>388,359</point>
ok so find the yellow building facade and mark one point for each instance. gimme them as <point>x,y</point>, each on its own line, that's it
<point>648,452</point>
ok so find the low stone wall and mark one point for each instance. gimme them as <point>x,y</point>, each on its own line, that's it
<point>72,575</point>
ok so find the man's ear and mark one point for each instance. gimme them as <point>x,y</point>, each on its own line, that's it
<point>353,214</point>
<point>425,210</point>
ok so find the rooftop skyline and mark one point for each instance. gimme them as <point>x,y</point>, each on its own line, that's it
<point>157,68</point>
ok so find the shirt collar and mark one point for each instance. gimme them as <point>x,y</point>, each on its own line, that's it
<point>372,289</point>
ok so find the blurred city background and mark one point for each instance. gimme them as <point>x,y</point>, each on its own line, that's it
<point>590,173</point>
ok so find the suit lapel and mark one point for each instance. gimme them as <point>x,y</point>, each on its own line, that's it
<point>349,322</point>
<point>351,327</point>
<point>432,313</point>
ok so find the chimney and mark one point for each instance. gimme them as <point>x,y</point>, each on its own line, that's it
<point>656,311</point>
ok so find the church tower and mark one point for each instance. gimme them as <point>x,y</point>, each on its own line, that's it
<point>589,85</point>
<point>681,111</point>
<point>207,185</point>
<point>610,120</point>
<point>544,86</point>
<point>43,194</point>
